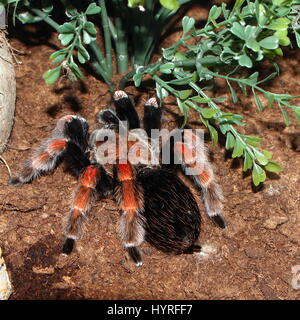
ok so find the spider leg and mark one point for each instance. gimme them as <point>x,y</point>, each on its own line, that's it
<point>203,177</point>
<point>125,109</point>
<point>152,116</point>
<point>92,182</point>
<point>108,117</point>
<point>70,132</point>
<point>129,197</point>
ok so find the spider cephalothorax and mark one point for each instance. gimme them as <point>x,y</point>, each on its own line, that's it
<point>155,205</point>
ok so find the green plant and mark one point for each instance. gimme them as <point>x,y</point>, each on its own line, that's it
<point>127,30</point>
<point>229,45</point>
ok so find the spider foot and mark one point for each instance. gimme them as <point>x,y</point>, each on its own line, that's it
<point>219,220</point>
<point>135,255</point>
<point>193,248</point>
<point>68,246</point>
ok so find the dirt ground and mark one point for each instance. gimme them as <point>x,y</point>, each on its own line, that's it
<point>251,259</point>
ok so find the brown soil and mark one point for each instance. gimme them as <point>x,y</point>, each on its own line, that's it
<point>251,259</point>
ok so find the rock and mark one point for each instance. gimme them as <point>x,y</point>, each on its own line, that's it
<point>5,284</point>
<point>7,92</point>
<point>275,221</point>
<point>43,270</point>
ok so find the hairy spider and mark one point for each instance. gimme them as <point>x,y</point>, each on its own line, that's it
<point>155,205</point>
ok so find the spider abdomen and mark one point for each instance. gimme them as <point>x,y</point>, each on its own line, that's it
<point>171,212</point>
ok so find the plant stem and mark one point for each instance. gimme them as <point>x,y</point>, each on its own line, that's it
<point>107,39</point>
<point>45,18</point>
<point>155,68</point>
<point>121,41</point>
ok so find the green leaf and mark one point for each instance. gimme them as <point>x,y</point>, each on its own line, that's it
<point>252,141</point>
<point>71,11</point>
<point>297,35</point>
<point>184,94</point>
<point>26,17</point>
<point>170,4</point>
<point>135,3</point>
<point>297,114</point>
<point>184,110</point>
<point>208,113</point>
<point>273,167</point>
<point>187,24</point>
<point>58,56</point>
<point>161,92</point>
<point>137,78</point>
<point>248,162</point>
<point>252,44</point>
<point>214,13</point>
<point>279,24</point>
<point>52,75</point>
<point>233,94</point>
<point>224,128</point>
<point>267,154</point>
<point>167,67</point>
<point>92,9</point>
<point>83,53</point>
<point>253,78</point>
<point>238,149</point>
<point>257,101</point>
<point>230,141</point>
<point>87,39</point>
<point>245,61</point>
<point>269,43</point>
<point>261,158</point>
<point>76,70</point>
<point>238,30</point>
<point>168,54</point>
<point>213,133</point>
<point>285,116</point>
<point>67,27</point>
<point>181,81</point>
<point>65,38</point>
<point>90,28</point>
<point>284,40</point>
<point>258,174</point>
<point>47,6</point>
<point>278,3</point>
<point>200,99</point>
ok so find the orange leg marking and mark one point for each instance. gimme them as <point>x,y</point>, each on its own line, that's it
<point>204,177</point>
<point>56,145</point>
<point>124,172</point>
<point>186,152</point>
<point>81,200</point>
<point>40,160</point>
<point>130,203</point>
<point>89,177</point>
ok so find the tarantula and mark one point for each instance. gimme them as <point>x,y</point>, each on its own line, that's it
<point>154,203</point>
